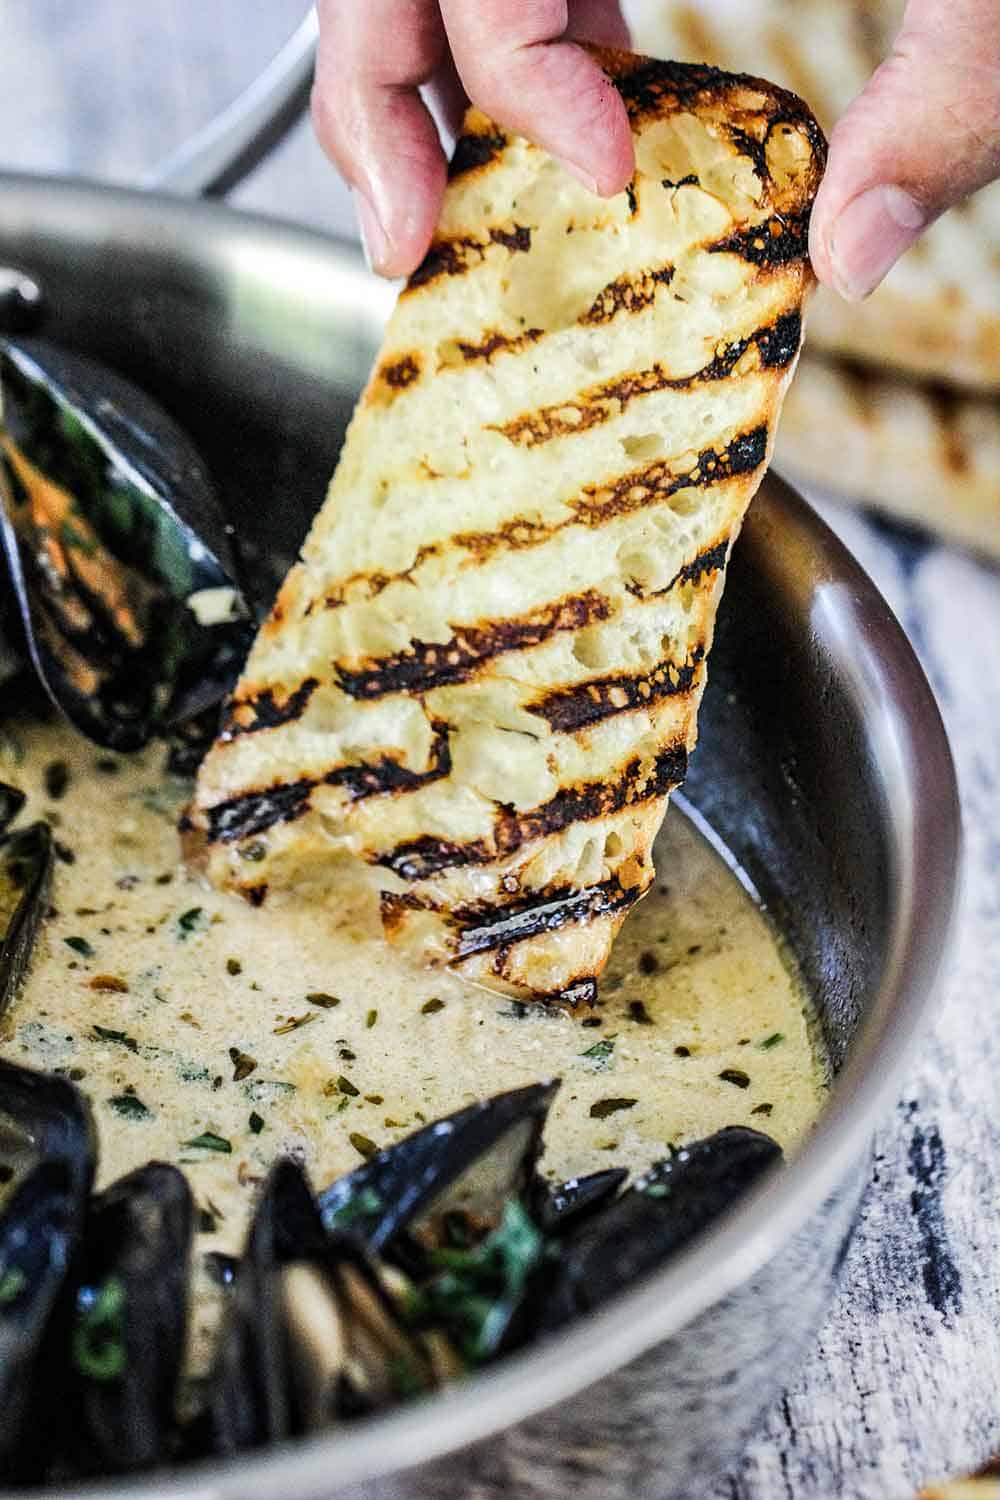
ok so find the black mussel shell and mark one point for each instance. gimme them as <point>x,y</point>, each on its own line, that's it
<point>11,658</point>
<point>448,1182</point>
<point>47,1155</point>
<point>25,876</point>
<point>656,1217</point>
<point>249,1399</point>
<point>130,1319</point>
<point>557,1208</point>
<point>121,562</point>
<point>12,800</point>
<point>351,1353</point>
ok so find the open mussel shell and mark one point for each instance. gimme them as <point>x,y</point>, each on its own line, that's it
<point>250,1386</point>
<point>26,858</point>
<point>120,560</point>
<point>448,1181</point>
<point>130,1320</point>
<point>656,1217</point>
<point>47,1155</point>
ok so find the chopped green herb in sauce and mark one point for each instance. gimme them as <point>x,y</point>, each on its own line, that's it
<point>209,1141</point>
<point>774,1040</point>
<point>105,1034</point>
<point>243,1064</point>
<point>601,1108</point>
<point>189,921</point>
<point>81,946</point>
<point>293,1023</point>
<point>600,1054</point>
<point>130,1107</point>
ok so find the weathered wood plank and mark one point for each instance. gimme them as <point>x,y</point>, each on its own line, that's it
<point>904,1381</point>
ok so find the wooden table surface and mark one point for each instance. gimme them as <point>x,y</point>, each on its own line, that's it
<point>903,1383</point>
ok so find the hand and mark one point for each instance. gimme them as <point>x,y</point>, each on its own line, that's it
<point>514,58</point>
<point>923,135</point>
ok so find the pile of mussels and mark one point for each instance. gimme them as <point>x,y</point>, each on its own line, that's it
<point>433,1257</point>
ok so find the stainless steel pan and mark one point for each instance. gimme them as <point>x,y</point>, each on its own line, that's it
<point>823,764</point>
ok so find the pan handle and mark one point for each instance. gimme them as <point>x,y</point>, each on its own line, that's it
<point>229,147</point>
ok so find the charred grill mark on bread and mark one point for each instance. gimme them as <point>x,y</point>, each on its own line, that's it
<point>775,243</point>
<point>427,665</point>
<point>485,928</point>
<point>601,403</point>
<point>474,151</point>
<point>568,709</point>
<point>457,256</point>
<point>266,709</point>
<point>523,547</point>
<point>634,490</point>
<point>254,812</point>
<point>627,294</point>
<point>634,784</point>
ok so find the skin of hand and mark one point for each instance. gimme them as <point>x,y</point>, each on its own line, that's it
<point>922,135</point>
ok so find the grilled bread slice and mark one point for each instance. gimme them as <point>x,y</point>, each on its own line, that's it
<point>937,314</point>
<point>481,681</point>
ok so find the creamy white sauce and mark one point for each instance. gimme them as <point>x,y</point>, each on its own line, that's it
<point>186,1016</point>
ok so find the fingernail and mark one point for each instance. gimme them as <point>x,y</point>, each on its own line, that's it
<point>870,235</point>
<point>582,176</point>
<point>374,242</point>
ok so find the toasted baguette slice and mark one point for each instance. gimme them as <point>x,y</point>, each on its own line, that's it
<point>937,314</point>
<point>481,682</point>
<point>919,453</point>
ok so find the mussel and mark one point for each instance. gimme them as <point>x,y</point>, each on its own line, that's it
<point>26,858</point>
<point>433,1258</point>
<point>12,800</point>
<point>661,1213</point>
<point>120,560</point>
<point>249,1389</point>
<point>47,1156</point>
<point>451,1178</point>
<point>129,1325</point>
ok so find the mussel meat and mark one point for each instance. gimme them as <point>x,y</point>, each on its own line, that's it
<point>121,562</point>
<point>352,1351</point>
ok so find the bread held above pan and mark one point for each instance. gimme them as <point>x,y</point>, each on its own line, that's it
<point>479,685</point>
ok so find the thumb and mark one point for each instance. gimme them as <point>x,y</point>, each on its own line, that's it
<point>923,134</point>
